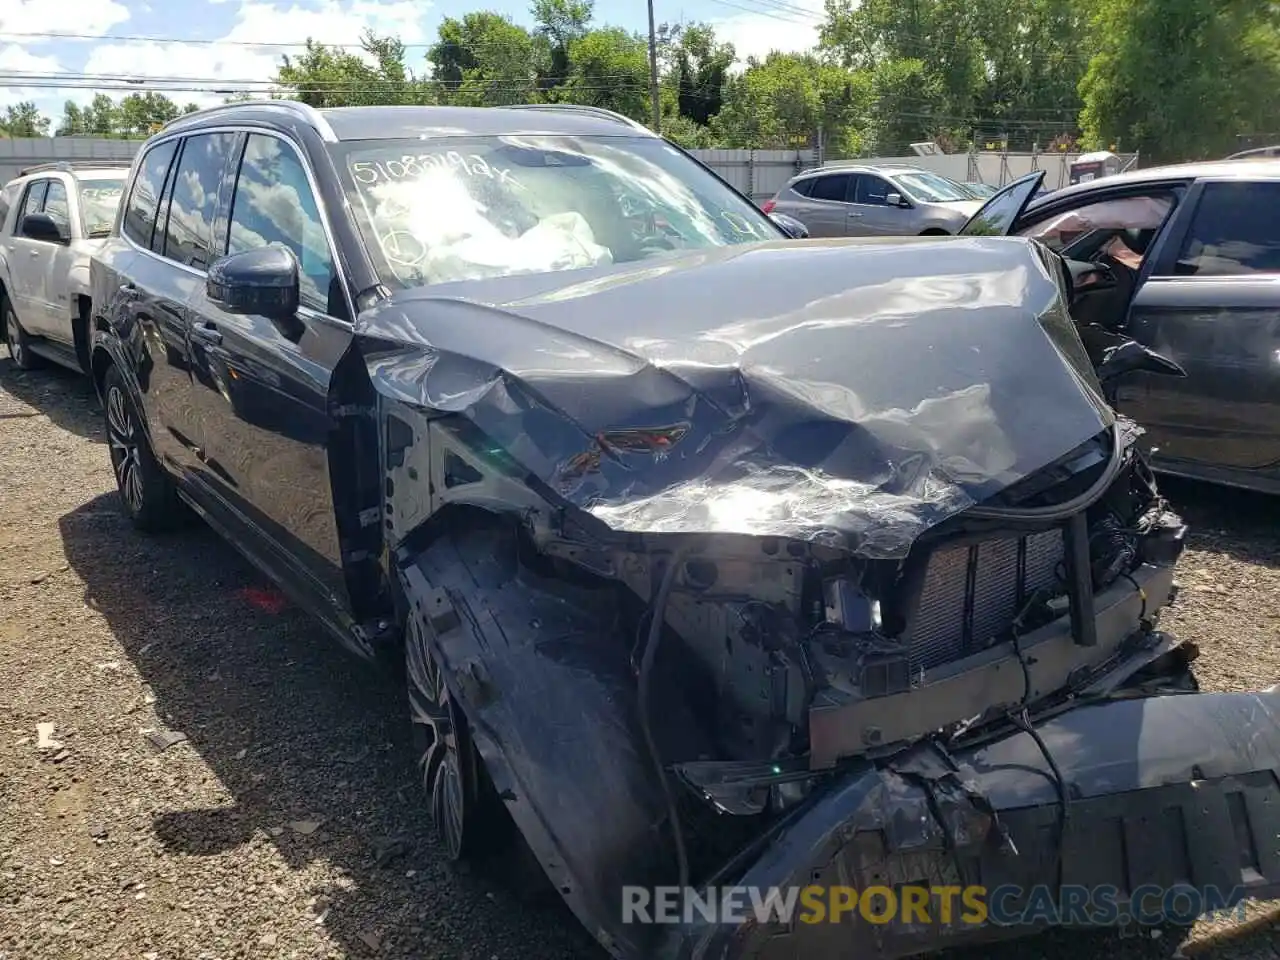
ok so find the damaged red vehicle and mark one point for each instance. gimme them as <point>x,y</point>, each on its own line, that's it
<point>714,558</point>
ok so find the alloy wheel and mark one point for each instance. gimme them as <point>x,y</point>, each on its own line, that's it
<point>13,333</point>
<point>126,452</point>
<point>445,762</point>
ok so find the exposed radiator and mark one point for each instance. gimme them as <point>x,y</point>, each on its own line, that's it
<point>977,584</point>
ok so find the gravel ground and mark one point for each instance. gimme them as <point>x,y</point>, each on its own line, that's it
<point>284,820</point>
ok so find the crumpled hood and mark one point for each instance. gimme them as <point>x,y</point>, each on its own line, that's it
<point>854,391</point>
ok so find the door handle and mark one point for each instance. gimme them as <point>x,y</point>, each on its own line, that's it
<point>33,253</point>
<point>208,333</point>
<point>855,215</point>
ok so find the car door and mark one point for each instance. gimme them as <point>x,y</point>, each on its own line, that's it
<point>263,388</point>
<point>25,259</point>
<point>998,216</point>
<point>152,311</point>
<point>873,215</point>
<point>51,292</point>
<point>827,210</point>
<point>1212,303</point>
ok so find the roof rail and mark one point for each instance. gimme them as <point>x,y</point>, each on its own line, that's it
<point>1256,152</point>
<point>302,111</point>
<point>71,166</point>
<point>582,109</point>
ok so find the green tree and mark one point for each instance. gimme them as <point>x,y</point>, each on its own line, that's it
<point>136,116</point>
<point>1180,79</point>
<point>700,66</point>
<point>559,24</point>
<point>947,69</point>
<point>934,42</point>
<point>142,114</point>
<point>333,77</point>
<point>24,120</point>
<point>783,101</point>
<point>484,59</point>
<point>608,67</point>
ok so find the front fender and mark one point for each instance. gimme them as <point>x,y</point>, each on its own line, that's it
<point>107,349</point>
<point>547,692</point>
<point>78,282</point>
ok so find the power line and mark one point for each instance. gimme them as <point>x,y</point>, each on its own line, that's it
<point>777,10</point>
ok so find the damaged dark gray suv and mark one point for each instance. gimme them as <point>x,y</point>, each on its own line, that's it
<point>715,559</point>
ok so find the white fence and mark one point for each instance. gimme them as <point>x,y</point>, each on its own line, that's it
<point>998,169</point>
<point>757,173</point>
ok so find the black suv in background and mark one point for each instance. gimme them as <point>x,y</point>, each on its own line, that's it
<point>710,555</point>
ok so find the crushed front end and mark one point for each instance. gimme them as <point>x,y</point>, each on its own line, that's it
<point>774,616</point>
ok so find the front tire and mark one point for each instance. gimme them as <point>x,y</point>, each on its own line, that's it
<point>448,765</point>
<point>19,343</point>
<point>147,494</point>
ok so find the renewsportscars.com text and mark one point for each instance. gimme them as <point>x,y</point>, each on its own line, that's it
<point>1008,905</point>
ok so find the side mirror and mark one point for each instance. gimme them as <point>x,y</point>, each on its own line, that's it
<point>262,281</point>
<point>895,200</point>
<point>792,227</point>
<point>41,226</point>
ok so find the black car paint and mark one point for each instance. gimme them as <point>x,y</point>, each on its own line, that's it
<point>259,397</point>
<point>231,400</point>
<point>1219,423</point>
<point>764,359</point>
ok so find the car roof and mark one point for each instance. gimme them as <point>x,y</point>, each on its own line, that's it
<point>417,122</point>
<point>885,168</point>
<point>1246,169</point>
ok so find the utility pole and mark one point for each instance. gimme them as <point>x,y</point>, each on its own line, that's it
<point>653,73</point>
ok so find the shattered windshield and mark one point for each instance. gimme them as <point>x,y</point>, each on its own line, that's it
<point>473,207</point>
<point>99,200</point>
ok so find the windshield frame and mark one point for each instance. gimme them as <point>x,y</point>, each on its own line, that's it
<point>339,155</point>
<point>902,179</point>
<point>90,183</point>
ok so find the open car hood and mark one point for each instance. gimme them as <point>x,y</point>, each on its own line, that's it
<point>851,391</point>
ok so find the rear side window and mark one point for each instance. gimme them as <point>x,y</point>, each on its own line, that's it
<point>34,201</point>
<point>198,177</point>
<point>834,187</point>
<point>140,216</point>
<point>803,187</point>
<point>1235,231</point>
<point>55,205</point>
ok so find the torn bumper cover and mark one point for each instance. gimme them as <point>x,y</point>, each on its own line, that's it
<point>1158,793</point>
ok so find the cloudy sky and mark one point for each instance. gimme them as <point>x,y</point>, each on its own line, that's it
<point>239,41</point>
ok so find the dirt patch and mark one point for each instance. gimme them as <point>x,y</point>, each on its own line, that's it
<point>226,784</point>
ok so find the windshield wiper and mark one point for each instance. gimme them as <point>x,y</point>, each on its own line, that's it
<point>100,232</point>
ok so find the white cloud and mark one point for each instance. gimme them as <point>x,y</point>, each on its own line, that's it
<point>788,26</point>
<point>238,62</point>
<point>235,61</point>
<point>84,17</point>
<point>16,59</point>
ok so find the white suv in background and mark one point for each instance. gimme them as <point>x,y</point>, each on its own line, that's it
<point>52,217</point>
